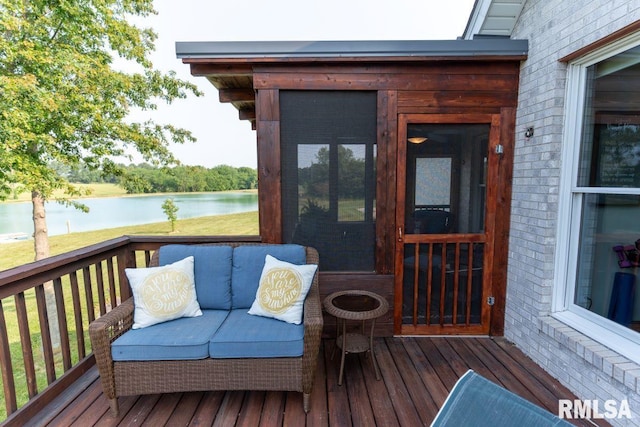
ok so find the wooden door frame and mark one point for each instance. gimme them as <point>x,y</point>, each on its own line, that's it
<point>494,196</point>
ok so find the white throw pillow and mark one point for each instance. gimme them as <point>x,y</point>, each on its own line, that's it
<point>282,290</point>
<point>163,293</point>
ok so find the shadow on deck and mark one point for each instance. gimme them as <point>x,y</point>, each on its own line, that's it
<point>417,374</point>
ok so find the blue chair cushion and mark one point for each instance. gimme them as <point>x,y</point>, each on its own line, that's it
<point>186,338</point>
<point>248,262</point>
<point>212,272</point>
<point>476,401</point>
<point>243,335</point>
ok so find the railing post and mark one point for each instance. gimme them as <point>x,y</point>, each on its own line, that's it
<point>6,366</point>
<point>126,259</point>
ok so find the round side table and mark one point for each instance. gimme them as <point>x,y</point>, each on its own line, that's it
<point>360,306</point>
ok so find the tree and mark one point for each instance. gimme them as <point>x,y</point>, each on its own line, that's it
<point>171,211</point>
<point>351,169</point>
<point>248,178</point>
<point>62,101</point>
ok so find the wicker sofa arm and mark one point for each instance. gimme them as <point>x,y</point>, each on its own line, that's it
<point>313,324</point>
<point>103,331</point>
<point>312,314</point>
<point>312,317</point>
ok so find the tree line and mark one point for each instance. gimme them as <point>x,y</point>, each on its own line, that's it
<point>145,178</point>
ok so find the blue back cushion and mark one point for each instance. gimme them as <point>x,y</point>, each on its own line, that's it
<point>248,262</point>
<point>212,271</point>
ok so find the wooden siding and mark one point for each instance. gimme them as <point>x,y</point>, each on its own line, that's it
<point>503,219</point>
<point>269,170</point>
<point>434,87</point>
<point>386,181</point>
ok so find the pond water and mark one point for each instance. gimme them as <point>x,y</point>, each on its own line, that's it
<point>110,212</point>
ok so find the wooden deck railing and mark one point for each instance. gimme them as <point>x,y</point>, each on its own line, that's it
<point>45,311</point>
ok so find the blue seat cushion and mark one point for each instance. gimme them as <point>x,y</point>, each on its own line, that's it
<point>243,335</point>
<point>476,401</point>
<point>211,269</point>
<point>186,338</point>
<point>248,262</point>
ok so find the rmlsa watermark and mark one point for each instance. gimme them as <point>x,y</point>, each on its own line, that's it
<point>593,409</point>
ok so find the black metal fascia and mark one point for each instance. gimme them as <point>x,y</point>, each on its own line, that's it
<point>495,46</point>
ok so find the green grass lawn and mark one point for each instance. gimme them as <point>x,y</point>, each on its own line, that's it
<point>21,252</point>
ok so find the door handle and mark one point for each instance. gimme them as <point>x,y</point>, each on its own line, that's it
<point>399,234</point>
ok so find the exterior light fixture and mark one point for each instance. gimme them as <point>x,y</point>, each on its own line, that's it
<point>528,133</point>
<point>417,139</point>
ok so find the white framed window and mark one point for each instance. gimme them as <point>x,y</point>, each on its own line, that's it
<point>597,257</point>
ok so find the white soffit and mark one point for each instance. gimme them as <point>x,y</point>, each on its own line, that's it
<point>493,18</point>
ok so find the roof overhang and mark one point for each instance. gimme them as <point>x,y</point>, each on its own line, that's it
<point>411,50</point>
<point>229,66</point>
<point>493,18</point>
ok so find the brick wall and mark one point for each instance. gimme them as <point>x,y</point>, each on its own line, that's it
<point>554,29</point>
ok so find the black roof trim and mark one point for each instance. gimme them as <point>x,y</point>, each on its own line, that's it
<point>343,49</point>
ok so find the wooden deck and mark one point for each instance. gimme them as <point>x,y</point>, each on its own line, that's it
<point>417,374</point>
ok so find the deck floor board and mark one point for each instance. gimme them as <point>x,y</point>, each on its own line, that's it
<point>416,376</point>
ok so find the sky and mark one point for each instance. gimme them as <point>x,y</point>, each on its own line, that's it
<point>222,137</point>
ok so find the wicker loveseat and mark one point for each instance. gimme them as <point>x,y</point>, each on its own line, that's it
<point>231,349</point>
